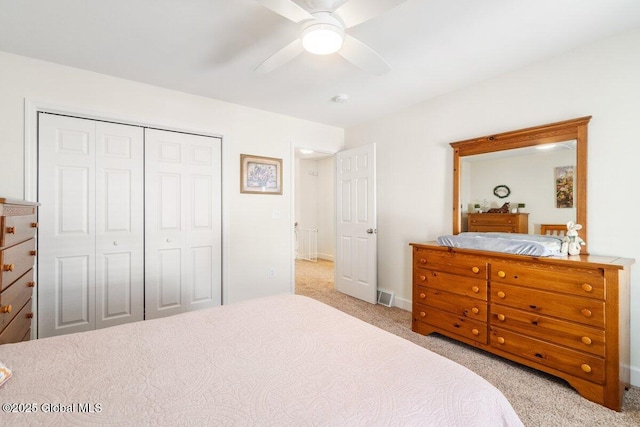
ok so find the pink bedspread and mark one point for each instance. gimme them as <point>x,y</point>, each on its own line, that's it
<point>277,361</point>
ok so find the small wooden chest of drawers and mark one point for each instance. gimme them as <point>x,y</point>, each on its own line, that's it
<point>18,223</point>
<point>498,222</point>
<point>565,316</point>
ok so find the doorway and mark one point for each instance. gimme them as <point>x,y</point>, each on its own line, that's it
<point>314,221</point>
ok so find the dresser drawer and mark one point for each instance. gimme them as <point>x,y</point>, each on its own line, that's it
<point>15,229</point>
<point>572,362</point>
<point>492,219</point>
<point>575,281</point>
<point>15,296</point>
<point>452,283</point>
<point>493,228</point>
<point>451,262</point>
<point>452,303</point>
<point>568,334</point>
<point>19,326</point>
<point>451,323</point>
<point>15,261</point>
<point>583,310</point>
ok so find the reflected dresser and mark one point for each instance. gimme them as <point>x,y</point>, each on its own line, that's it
<point>568,316</point>
<point>498,222</point>
<point>18,223</point>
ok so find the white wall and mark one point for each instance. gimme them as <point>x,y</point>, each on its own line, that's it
<point>257,229</point>
<point>415,159</point>
<point>315,201</point>
<point>326,208</point>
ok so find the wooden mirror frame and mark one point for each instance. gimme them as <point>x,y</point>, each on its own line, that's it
<point>529,137</point>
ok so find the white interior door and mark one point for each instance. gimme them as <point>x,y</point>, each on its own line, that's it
<point>89,240</point>
<point>119,224</point>
<point>182,222</point>
<point>356,233</point>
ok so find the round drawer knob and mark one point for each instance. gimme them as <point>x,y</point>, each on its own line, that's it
<point>31,284</point>
<point>423,295</point>
<point>34,225</point>
<point>423,261</point>
<point>423,314</point>
<point>8,267</point>
<point>29,315</point>
<point>475,289</point>
<point>475,332</point>
<point>501,294</point>
<point>586,312</point>
<point>586,368</point>
<point>6,309</point>
<point>475,270</point>
<point>586,340</point>
<point>11,230</point>
<point>33,253</point>
<point>587,287</point>
<point>423,278</point>
<point>500,340</point>
<point>501,317</point>
<point>502,274</point>
<point>475,310</point>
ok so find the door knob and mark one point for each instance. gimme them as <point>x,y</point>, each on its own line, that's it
<point>371,230</point>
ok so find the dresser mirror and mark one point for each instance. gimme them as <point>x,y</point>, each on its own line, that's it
<point>535,164</point>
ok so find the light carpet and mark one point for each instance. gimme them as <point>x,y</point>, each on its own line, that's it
<point>539,399</point>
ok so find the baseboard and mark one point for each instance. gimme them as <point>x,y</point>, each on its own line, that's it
<point>402,303</point>
<point>635,376</point>
<point>326,257</point>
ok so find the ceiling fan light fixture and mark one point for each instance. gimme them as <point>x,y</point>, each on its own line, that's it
<point>322,39</point>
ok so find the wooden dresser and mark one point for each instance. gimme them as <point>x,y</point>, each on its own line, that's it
<point>568,317</point>
<point>500,222</point>
<point>18,223</point>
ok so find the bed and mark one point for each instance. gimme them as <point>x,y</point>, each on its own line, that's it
<point>282,360</point>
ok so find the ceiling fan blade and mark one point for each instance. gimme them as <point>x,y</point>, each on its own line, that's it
<point>361,55</point>
<point>355,12</point>
<point>286,8</point>
<point>281,57</point>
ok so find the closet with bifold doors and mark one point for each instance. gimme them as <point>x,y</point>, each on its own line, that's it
<point>130,223</point>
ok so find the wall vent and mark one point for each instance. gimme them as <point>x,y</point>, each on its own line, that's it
<point>385,298</point>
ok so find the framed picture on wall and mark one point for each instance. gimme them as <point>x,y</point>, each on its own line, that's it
<point>564,186</point>
<point>260,175</point>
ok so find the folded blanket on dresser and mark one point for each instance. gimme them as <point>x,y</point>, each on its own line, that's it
<point>511,243</point>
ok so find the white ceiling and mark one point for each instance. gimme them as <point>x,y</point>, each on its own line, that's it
<point>211,47</point>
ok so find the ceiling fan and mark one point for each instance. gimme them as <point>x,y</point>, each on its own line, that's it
<point>323,31</point>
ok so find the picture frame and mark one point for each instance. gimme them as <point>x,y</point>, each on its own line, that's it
<point>260,175</point>
<point>563,176</point>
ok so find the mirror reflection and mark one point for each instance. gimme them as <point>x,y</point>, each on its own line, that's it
<point>537,182</point>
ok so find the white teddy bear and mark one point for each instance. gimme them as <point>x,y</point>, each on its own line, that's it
<point>571,243</point>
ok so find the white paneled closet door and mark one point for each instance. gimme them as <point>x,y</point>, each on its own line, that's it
<point>182,222</point>
<point>90,237</point>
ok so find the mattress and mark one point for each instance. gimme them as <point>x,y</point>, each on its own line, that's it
<point>277,361</point>
<point>511,243</point>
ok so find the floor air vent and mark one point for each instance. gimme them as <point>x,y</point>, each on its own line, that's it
<point>385,298</point>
